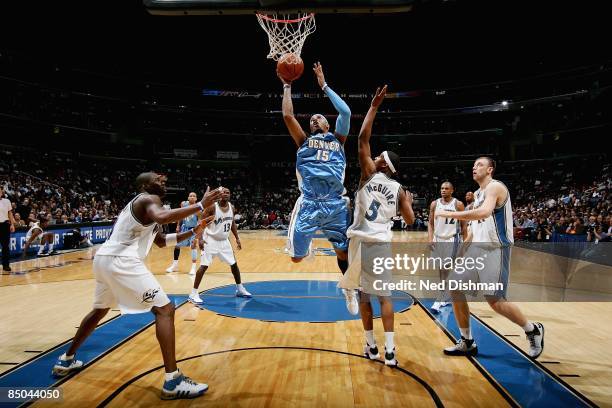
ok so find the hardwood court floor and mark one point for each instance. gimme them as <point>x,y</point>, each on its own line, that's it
<point>42,308</point>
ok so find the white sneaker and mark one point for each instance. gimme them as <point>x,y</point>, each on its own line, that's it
<point>463,347</point>
<point>242,292</point>
<point>437,305</point>
<point>182,387</point>
<point>390,359</point>
<point>196,299</point>
<point>64,367</point>
<point>536,340</point>
<point>350,295</point>
<point>171,268</point>
<point>371,352</point>
<point>192,271</point>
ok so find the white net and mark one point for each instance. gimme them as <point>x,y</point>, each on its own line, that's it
<point>286,34</point>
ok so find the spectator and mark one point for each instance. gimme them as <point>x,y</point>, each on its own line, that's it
<point>7,227</point>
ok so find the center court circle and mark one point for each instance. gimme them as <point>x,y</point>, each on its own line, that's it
<point>290,301</point>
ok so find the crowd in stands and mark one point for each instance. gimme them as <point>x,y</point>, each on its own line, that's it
<point>549,198</point>
<point>581,210</point>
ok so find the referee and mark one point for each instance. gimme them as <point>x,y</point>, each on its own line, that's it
<point>7,226</point>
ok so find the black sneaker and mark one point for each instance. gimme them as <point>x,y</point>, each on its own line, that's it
<point>536,340</point>
<point>463,347</point>
<point>6,269</point>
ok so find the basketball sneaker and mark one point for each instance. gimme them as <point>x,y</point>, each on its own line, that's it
<point>182,387</point>
<point>371,352</point>
<point>536,340</point>
<point>192,271</point>
<point>350,295</point>
<point>390,359</point>
<point>172,268</point>
<point>463,347</point>
<point>437,305</point>
<point>241,291</point>
<point>65,366</point>
<point>196,299</point>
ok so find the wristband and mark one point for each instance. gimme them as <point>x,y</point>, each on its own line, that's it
<point>324,86</point>
<point>201,206</point>
<point>171,239</point>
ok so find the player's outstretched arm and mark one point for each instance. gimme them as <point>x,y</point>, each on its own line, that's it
<point>405,202</point>
<point>154,212</point>
<point>365,154</point>
<point>343,123</point>
<point>162,240</point>
<point>295,130</point>
<point>482,212</point>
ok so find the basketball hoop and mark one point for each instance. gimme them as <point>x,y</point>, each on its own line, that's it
<point>285,34</point>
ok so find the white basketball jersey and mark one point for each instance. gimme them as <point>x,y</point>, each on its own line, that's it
<point>496,228</point>
<point>376,203</point>
<point>129,237</point>
<point>445,228</point>
<point>221,227</point>
<point>31,230</point>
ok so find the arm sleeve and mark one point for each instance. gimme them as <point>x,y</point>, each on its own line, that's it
<point>343,123</point>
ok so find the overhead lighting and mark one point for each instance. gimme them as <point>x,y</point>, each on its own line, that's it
<point>504,103</point>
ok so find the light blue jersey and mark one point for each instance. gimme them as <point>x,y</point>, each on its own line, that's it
<point>322,206</point>
<point>320,167</point>
<point>187,224</point>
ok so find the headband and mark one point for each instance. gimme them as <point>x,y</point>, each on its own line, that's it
<point>388,161</point>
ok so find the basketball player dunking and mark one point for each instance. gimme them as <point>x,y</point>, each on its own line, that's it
<point>182,226</point>
<point>122,277</point>
<point>378,200</point>
<point>491,224</point>
<point>320,167</point>
<point>445,230</point>
<point>217,244</point>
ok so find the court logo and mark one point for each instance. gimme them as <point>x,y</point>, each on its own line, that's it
<point>149,295</point>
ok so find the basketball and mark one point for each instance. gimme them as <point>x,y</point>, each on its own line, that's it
<point>290,67</point>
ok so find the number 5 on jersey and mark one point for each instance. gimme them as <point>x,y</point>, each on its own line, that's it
<point>372,212</point>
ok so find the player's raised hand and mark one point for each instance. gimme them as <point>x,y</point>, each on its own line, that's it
<point>409,196</point>
<point>283,80</point>
<point>379,96</point>
<point>211,197</point>
<point>318,70</point>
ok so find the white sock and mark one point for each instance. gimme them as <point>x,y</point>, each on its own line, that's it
<point>370,337</point>
<point>40,249</point>
<point>193,266</point>
<point>194,256</point>
<point>466,333</point>
<point>389,344</point>
<point>174,263</point>
<point>50,247</point>
<point>528,327</point>
<point>239,286</point>
<point>172,375</point>
<point>194,291</point>
<point>64,357</point>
